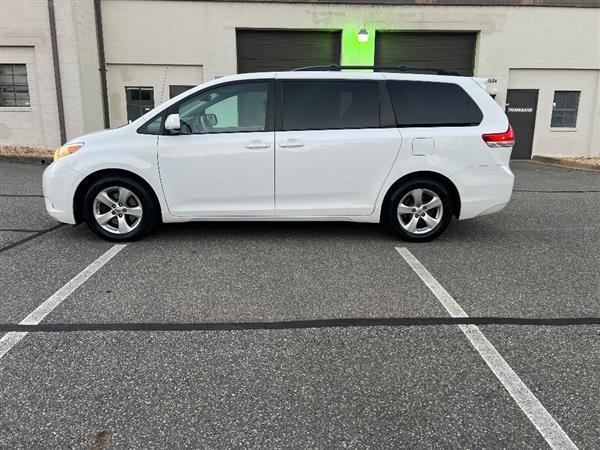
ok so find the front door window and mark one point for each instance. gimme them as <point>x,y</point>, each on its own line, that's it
<point>234,108</point>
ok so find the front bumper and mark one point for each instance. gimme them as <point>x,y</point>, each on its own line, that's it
<point>483,189</point>
<point>59,184</point>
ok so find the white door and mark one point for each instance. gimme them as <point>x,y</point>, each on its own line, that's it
<point>331,157</point>
<point>222,162</point>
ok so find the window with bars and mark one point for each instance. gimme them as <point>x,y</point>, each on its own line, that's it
<point>564,109</point>
<point>140,100</point>
<point>14,90</point>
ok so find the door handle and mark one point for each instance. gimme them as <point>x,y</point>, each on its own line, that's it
<point>291,143</point>
<point>257,144</point>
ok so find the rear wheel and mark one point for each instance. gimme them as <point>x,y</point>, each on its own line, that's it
<point>419,210</point>
<point>119,209</point>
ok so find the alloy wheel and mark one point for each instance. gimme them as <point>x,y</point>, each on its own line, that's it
<point>420,211</point>
<point>117,210</point>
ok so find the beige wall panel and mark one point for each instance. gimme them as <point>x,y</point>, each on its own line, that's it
<point>24,24</point>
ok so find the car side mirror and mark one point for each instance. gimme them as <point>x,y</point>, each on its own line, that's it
<point>172,124</point>
<point>209,120</point>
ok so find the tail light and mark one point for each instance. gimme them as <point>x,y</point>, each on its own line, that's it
<point>499,140</point>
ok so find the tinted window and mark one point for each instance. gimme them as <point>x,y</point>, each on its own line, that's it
<point>319,105</point>
<point>239,107</point>
<point>427,104</point>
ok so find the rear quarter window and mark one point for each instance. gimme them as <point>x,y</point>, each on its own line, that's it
<point>432,104</point>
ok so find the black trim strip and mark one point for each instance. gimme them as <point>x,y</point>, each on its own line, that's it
<point>22,195</point>
<point>30,238</point>
<point>554,192</point>
<point>298,324</point>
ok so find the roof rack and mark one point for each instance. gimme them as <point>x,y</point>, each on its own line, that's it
<point>401,69</point>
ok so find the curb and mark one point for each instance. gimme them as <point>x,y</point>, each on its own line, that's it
<point>27,159</point>
<point>566,163</point>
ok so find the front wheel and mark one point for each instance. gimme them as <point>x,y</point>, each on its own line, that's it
<point>119,209</point>
<point>419,210</point>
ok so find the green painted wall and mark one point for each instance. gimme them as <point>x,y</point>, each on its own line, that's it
<point>356,53</point>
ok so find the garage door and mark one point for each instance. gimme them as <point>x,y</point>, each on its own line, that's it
<point>451,51</point>
<point>272,50</point>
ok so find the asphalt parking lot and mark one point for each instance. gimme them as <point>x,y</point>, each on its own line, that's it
<point>213,335</point>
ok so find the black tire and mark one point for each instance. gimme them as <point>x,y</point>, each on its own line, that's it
<point>149,206</point>
<point>444,215</point>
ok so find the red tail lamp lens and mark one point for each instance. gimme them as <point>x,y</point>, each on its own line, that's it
<point>499,140</point>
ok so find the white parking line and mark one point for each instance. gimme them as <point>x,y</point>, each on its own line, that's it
<point>9,340</point>
<point>527,401</point>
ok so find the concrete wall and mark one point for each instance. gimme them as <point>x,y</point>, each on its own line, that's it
<point>204,32</point>
<point>78,55</point>
<point>89,74</point>
<point>25,37</point>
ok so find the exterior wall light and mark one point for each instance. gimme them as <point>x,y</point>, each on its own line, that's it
<point>363,35</point>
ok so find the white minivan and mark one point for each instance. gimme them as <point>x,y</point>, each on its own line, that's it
<point>410,150</point>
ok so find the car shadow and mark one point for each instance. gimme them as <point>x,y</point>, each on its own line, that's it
<point>483,230</point>
<point>273,230</point>
<point>463,231</point>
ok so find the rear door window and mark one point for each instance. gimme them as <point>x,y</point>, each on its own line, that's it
<point>330,104</point>
<point>431,104</point>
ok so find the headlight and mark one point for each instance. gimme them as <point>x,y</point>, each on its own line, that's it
<point>67,149</point>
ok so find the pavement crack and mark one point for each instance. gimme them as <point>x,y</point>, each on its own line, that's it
<point>298,324</point>
<point>19,230</point>
<point>30,238</point>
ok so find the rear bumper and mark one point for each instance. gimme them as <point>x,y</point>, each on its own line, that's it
<point>59,184</point>
<point>483,189</point>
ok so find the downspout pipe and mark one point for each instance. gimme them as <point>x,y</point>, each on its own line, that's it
<point>102,62</point>
<point>57,81</point>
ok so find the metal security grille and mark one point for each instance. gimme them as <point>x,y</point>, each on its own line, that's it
<point>446,50</point>
<point>272,50</point>
<point>564,109</point>
<point>140,100</point>
<point>14,90</point>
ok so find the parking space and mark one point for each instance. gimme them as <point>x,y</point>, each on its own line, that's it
<point>333,372</point>
<point>537,259</point>
<point>256,272</point>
